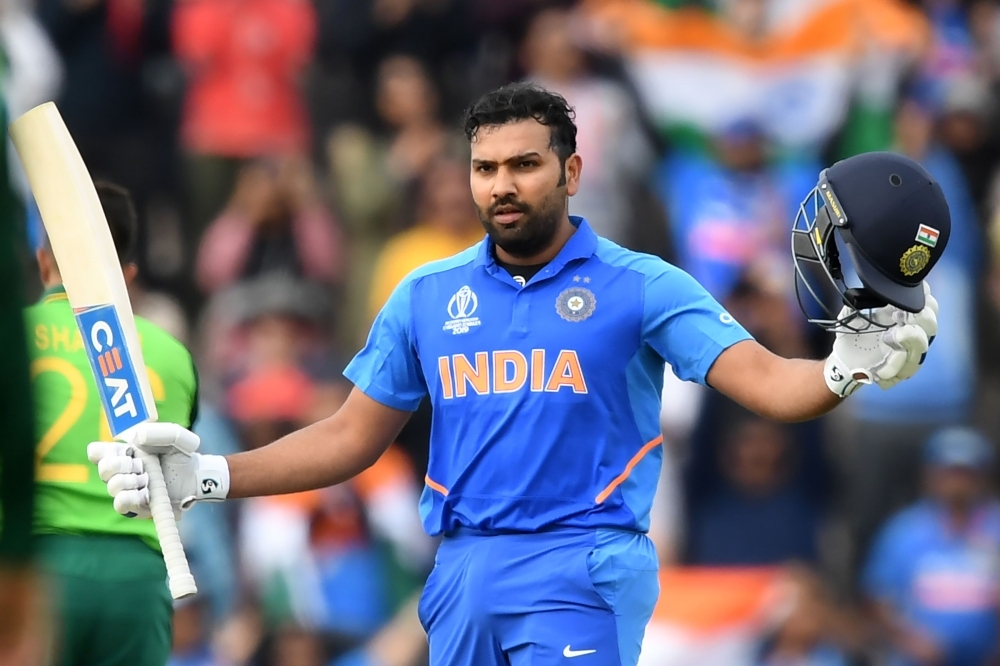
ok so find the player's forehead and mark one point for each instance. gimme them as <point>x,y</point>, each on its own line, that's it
<point>499,143</point>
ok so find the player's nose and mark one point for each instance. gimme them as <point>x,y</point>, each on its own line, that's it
<point>503,184</point>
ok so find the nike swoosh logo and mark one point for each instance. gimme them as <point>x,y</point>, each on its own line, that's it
<point>569,653</point>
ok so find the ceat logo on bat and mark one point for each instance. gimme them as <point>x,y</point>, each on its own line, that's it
<point>117,384</point>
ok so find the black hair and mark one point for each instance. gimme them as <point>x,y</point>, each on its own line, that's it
<point>519,101</point>
<point>122,219</point>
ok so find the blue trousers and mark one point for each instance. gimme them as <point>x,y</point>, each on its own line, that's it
<point>566,597</point>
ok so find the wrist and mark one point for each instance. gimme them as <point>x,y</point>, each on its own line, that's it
<point>211,480</point>
<point>842,380</point>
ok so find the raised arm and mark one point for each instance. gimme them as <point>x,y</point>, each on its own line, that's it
<point>704,343</point>
<point>779,388</point>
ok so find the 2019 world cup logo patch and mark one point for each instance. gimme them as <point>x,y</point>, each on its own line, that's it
<point>914,260</point>
<point>576,304</point>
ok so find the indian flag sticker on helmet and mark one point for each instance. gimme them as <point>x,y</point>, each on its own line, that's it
<point>927,235</point>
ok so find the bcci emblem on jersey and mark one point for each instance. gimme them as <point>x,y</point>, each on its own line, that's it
<point>461,307</point>
<point>576,304</point>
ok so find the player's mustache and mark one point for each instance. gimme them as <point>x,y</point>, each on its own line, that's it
<point>509,201</point>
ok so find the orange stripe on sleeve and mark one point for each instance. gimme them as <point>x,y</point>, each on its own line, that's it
<point>434,485</point>
<point>649,446</point>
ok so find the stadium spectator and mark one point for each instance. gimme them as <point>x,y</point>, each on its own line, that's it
<point>375,175</point>
<point>814,630</point>
<point>275,223</point>
<point>733,207</point>
<point>610,139</point>
<point>243,61</point>
<point>446,225</point>
<point>758,503</point>
<point>113,95</point>
<point>966,110</point>
<point>932,576</point>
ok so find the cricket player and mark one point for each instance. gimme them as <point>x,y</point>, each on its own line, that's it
<point>542,350</point>
<point>18,585</point>
<point>108,577</point>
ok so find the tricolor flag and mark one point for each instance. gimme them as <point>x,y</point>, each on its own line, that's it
<point>695,71</point>
<point>927,235</point>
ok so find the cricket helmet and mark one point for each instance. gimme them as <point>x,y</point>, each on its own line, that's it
<point>890,218</point>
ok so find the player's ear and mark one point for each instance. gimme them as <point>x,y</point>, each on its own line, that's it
<point>571,172</point>
<point>48,271</point>
<point>129,271</point>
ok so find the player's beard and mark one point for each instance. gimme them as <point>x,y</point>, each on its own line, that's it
<point>533,232</point>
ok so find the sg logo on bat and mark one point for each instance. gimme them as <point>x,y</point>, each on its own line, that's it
<point>117,383</point>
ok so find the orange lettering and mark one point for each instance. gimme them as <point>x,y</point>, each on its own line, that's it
<point>537,369</point>
<point>502,360</point>
<point>444,370</point>
<point>478,377</point>
<point>567,372</point>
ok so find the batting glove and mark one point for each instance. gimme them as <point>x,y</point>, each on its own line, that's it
<point>925,319</point>
<point>189,476</point>
<point>865,355</point>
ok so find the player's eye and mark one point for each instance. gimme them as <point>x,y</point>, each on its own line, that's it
<point>484,168</point>
<point>528,164</point>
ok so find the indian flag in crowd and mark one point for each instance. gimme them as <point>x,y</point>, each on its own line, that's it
<point>697,70</point>
<point>715,616</point>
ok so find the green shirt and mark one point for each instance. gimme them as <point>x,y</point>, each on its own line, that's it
<point>17,443</point>
<point>16,482</point>
<point>70,496</point>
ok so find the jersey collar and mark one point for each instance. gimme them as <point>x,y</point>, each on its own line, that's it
<point>53,294</point>
<point>581,245</point>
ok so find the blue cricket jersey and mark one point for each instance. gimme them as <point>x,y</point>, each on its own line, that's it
<point>546,398</point>
<point>941,581</point>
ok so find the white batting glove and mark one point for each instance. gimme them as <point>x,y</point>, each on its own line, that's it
<point>864,356</point>
<point>188,475</point>
<point>925,319</point>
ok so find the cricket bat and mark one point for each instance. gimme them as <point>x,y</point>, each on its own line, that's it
<point>85,253</point>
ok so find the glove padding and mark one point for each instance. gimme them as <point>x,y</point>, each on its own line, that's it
<point>863,355</point>
<point>189,476</point>
<point>926,319</point>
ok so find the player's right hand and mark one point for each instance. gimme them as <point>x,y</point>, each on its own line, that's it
<point>189,476</point>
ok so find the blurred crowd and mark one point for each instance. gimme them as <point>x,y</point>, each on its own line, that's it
<point>292,160</point>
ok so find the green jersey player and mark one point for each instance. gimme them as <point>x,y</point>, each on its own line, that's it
<point>17,583</point>
<point>85,547</point>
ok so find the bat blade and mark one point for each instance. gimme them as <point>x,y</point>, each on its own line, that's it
<point>84,250</point>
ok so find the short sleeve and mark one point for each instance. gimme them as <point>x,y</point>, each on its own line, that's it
<point>387,369</point>
<point>685,325</point>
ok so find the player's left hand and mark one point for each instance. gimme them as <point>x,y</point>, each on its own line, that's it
<point>885,357</point>
<point>189,476</point>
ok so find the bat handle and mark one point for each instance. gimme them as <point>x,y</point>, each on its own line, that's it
<point>181,581</point>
